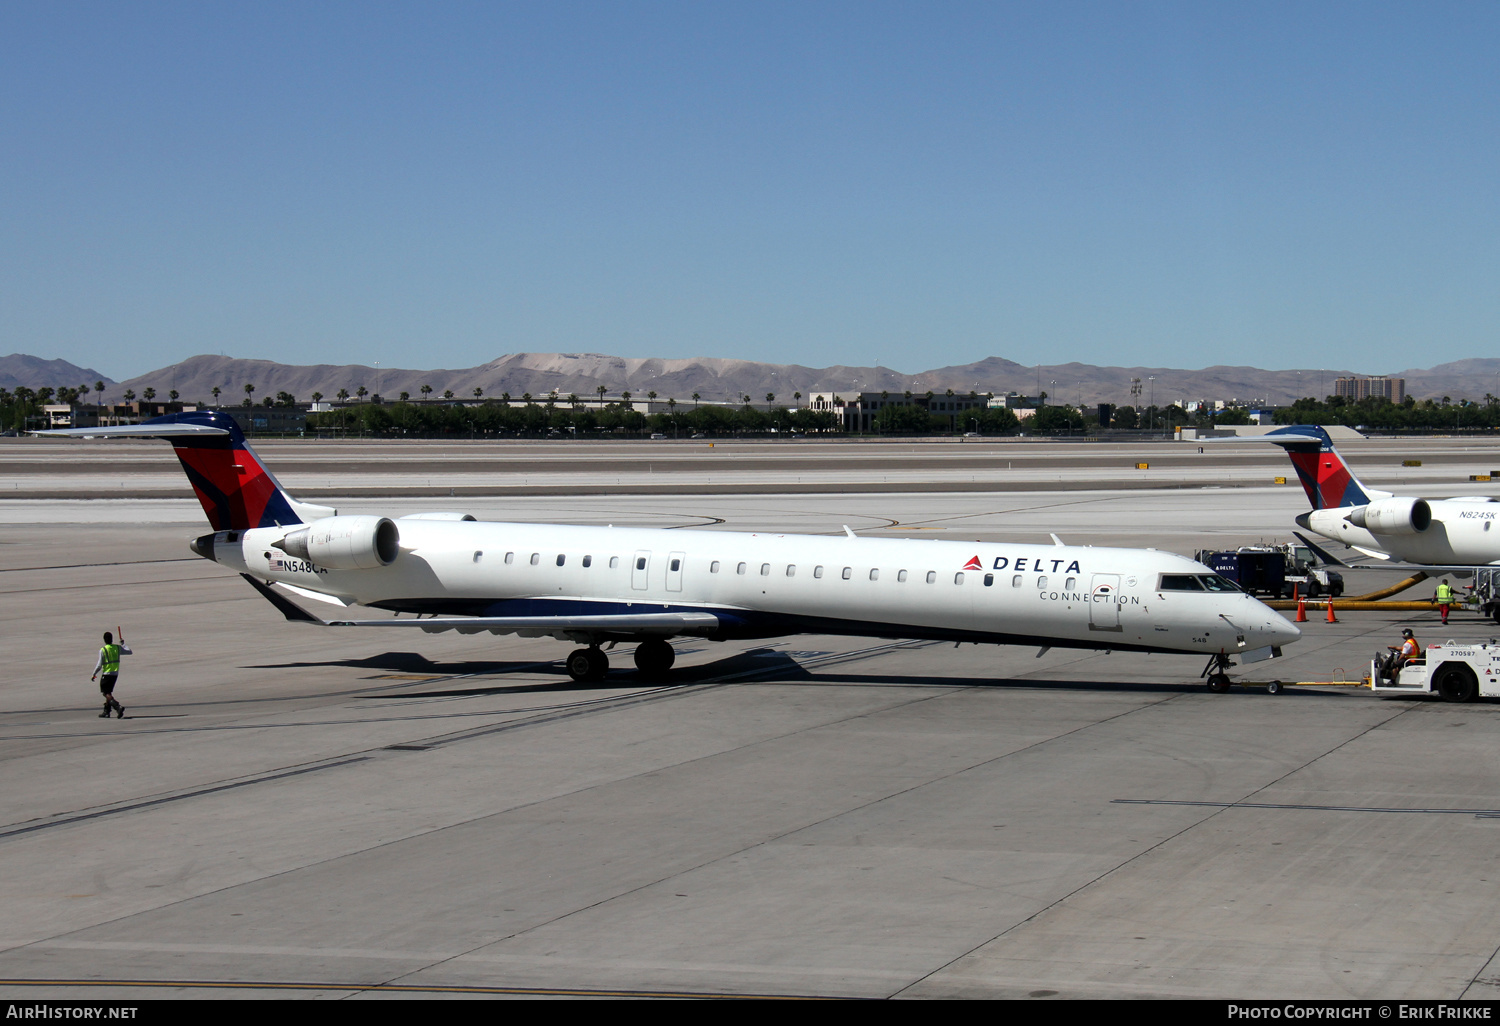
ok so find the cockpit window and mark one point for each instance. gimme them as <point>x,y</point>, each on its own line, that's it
<point>1179,582</point>
<point>1213,582</point>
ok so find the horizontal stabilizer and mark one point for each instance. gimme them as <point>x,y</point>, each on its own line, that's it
<point>179,430</point>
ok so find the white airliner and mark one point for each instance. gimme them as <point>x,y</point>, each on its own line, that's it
<point>597,585</point>
<point>1449,533</point>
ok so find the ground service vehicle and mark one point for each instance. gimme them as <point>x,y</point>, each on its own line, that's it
<point>1459,673</point>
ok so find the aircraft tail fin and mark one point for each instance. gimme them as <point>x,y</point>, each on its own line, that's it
<point>236,490</point>
<point>1325,477</point>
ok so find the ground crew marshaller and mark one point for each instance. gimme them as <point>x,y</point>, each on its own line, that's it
<point>109,666</point>
<point>1444,597</point>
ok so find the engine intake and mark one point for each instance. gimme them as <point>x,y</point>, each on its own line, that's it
<point>345,543</point>
<point>1393,516</point>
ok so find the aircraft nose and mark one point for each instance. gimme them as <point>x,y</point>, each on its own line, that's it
<point>1282,630</point>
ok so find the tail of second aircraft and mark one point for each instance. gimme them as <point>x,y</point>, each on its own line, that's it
<point>1327,480</point>
<point>236,490</point>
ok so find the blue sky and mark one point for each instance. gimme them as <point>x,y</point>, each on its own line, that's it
<point>910,184</point>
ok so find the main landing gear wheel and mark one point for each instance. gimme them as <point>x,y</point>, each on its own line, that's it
<point>587,664</point>
<point>654,657</point>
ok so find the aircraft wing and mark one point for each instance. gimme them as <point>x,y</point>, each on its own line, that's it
<point>1383,562</point>
<point>527,626</point>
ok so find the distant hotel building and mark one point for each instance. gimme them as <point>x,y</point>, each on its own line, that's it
<point>1393,389</point>
<point>857,411</point>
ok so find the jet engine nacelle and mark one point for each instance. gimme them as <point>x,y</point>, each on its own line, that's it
<point>1393,516</point>
<point>345,543</point>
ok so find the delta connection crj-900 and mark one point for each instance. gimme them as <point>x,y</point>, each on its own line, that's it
<point>602,585</point>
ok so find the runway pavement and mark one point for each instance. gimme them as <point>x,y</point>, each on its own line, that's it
<point>289,811</point>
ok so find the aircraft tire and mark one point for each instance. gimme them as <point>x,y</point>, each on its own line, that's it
<point>1457,684</point>
<point>579,666</point>
<point>598,663</point>
<point>1218,683</point>
<point>654,657</point>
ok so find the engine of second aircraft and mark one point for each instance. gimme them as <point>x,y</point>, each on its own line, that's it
<point>345,543</point>
<point>1401,515</point>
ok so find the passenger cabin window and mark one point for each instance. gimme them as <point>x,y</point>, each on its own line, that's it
<point>818,572</point>
<point>932,577</point>
<point>1041,583</point>
<point>510,557</point>
<point>989,579</point>
<point>958,578</point>
<point>561,559</point>
<point>588,561</point>
<point>536,557</point>
<point>713,567</point>
<point>1070,583</point>
<point>614,562</point>
<point>1015,582</point>
<point>676,565</point>
<point>640,562</point>
<point>478,556</point>
<point>765,569</point>
<point>901,575</point>
<point>1179,582</point>
<point>848,572</point>
<point>740,569</point>
<point>791,570</point>
<point>874,575</point>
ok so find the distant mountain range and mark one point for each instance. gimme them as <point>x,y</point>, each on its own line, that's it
<point>722,380</point>
<point>21,371</point>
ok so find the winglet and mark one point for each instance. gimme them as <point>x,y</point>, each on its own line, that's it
<point>1323,554</point>
<point>848,531</point>
<point>289,609</point>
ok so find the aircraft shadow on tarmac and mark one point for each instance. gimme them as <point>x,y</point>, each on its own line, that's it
<point>760,662</point>
<point>406,662</point>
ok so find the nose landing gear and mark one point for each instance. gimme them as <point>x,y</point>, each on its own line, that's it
<point>1217,679</point>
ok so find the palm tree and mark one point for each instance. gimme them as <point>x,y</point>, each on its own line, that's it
<point>149,394</point>
<point>172,395</point>
<point>651,395</point>
<point>426,391</point>
<point>478,392</point>
<point>601,390</point>
<point>99,392</point>
<point>361,391</point>
<point>249,395</point>
<point>404,396</point>
<point>696,397</point>
<point>770,398</point>
<point>215,390</point>
<point>343,395</point>
<point>447,393</point>
<point>797,397</point>
<point>317,397</point>
<point>130,395</point>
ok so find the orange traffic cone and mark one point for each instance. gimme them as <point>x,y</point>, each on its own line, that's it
<point>1331,617</point>
<point>1301,610</point>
